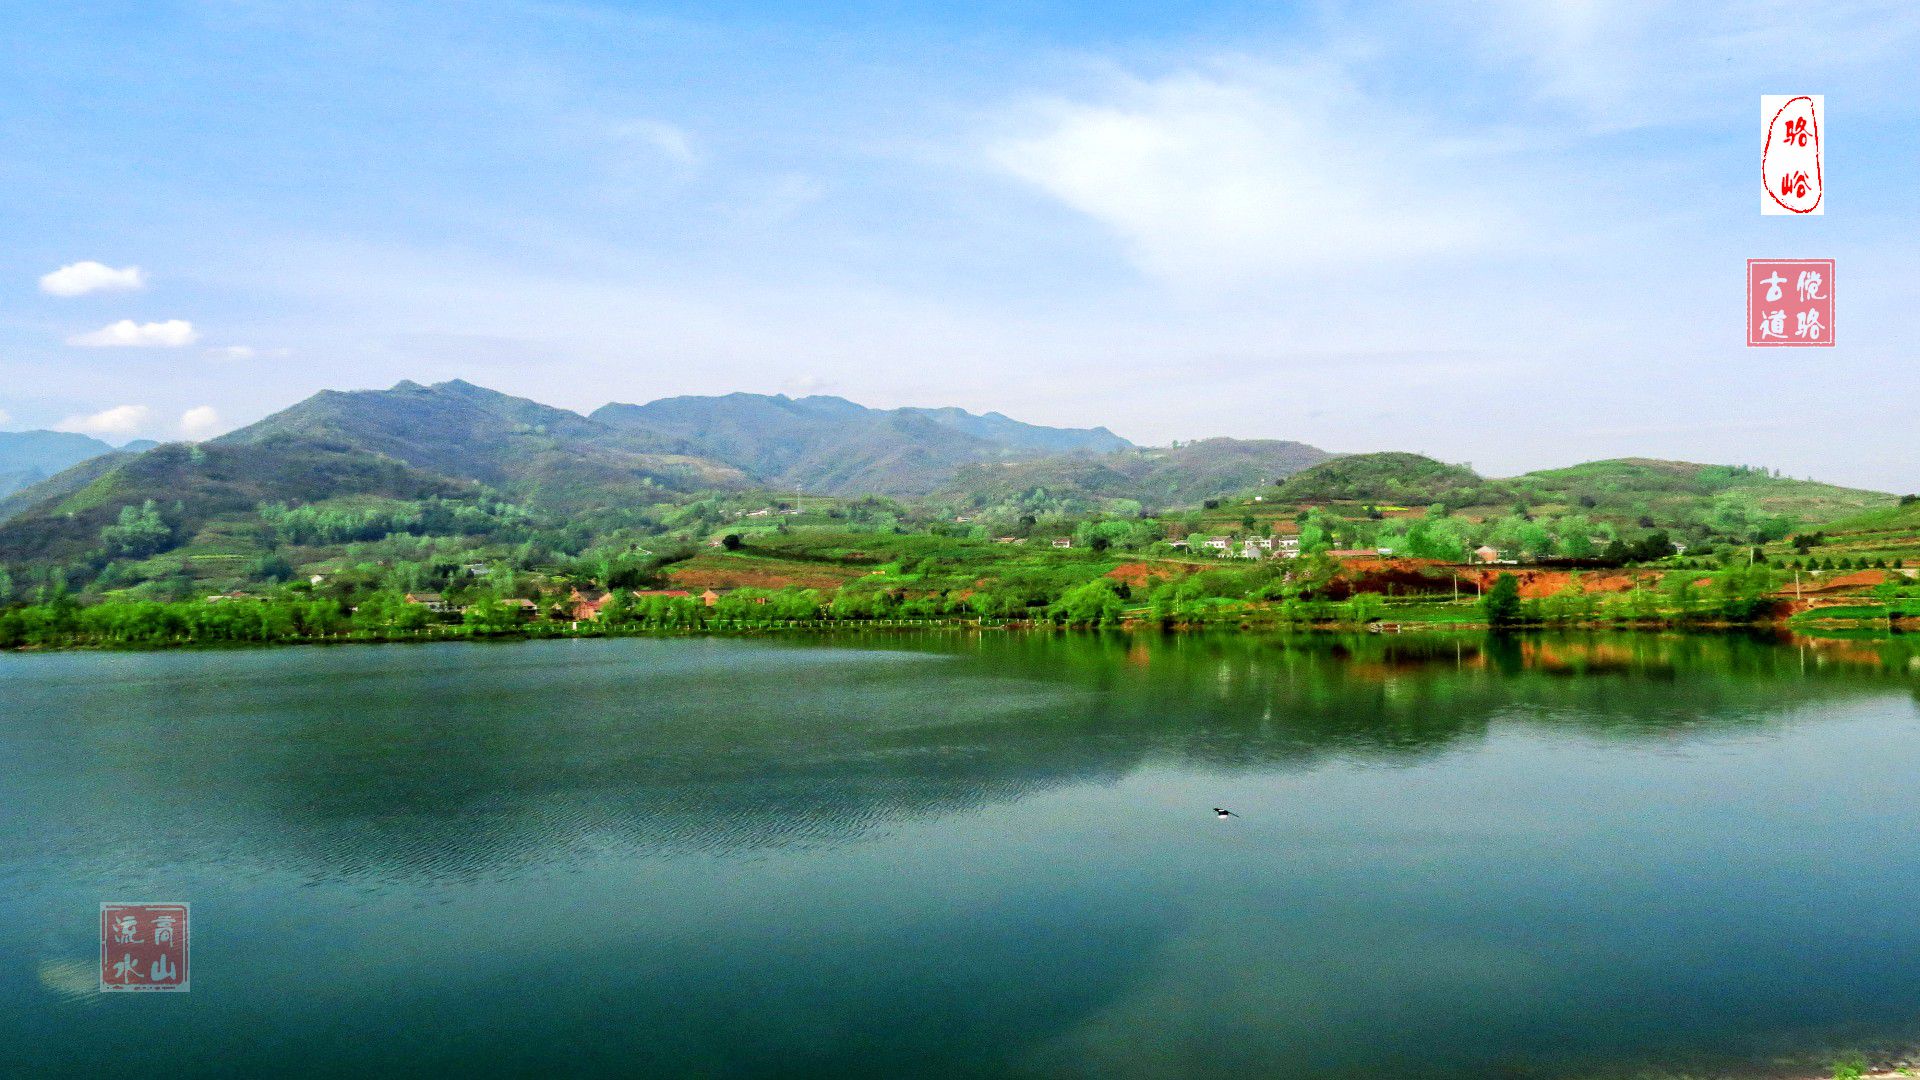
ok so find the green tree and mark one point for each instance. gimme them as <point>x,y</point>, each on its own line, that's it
<point>1362,607</point>
<point>140,532</point>
<point>487,614</point>
<point>1502,601</point>
<point>272,566</point>
<point>1095,603</point>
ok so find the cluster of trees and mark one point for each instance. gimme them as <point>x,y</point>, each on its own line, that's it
<point>1441,534</point>
<point>140,531</point>
<point>744,607</point>
<point>60,620</point>
<point>1735,594</point>
<point>315,525</point>
<point>1846,563</point>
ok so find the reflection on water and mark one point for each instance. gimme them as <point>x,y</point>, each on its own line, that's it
<point>957,855</point>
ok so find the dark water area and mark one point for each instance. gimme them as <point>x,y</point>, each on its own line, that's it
<point>959,856</point>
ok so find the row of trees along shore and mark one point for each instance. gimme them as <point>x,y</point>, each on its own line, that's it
<point>1732,595</point>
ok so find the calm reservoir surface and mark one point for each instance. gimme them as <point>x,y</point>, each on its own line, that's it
<point>959,856</point>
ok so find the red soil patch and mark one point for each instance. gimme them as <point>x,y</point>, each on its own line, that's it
<point>1811,585</point>
<point>1536,583</point>
<point>1373,565</point>
<point>1139,575</point>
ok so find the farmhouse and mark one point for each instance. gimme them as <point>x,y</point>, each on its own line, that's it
<point>585,604</point>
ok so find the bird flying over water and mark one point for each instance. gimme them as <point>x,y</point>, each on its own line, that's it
<point>1223,814</point>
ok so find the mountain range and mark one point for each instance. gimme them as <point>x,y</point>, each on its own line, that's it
<point>458,440</point>
<point>832,446</point>
<point>454,437</point>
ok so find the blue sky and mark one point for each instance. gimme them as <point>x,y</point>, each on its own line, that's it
<point>1511,235</point>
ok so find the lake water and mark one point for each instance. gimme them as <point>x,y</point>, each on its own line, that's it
<point>967,856</point>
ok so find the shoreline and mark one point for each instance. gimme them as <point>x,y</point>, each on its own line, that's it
<point>1901,1064</point>
<point>1876,631</point>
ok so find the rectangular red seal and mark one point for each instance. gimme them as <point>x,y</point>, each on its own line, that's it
<point>1789,302</point>
<point>143,947</point>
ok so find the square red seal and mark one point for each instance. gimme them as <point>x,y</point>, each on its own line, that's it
<point>143,947</point>
<point>1789,302</point>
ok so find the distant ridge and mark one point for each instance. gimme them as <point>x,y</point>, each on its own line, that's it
<point>834,446</point>
<point>527,450</point>
<point>1156,478</point>
<point>28,457</point>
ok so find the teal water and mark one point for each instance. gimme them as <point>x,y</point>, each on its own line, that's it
<point>957,856</point>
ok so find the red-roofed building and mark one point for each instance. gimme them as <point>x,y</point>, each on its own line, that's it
<point>583,605</point>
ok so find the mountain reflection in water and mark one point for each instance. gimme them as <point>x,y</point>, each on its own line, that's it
<point>950,854</point>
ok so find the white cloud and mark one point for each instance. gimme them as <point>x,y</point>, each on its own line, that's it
<point>78,279</point>
<point>128,334</point>
<point>122,420</point>
<point>200,422</point>
<point>233,352</point>
<point>1245,169</point>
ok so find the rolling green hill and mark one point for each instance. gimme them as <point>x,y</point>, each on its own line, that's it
<point>1666,493</point>
<point>192,486</point>
<point>1573,511</point>
<point>1887,534</point>
<point>1666,488</point>
<point>1390,477</point>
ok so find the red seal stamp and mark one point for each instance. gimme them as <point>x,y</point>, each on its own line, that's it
<point>1789,302</point>
<point>1792,159</point>
<point>143,947</point>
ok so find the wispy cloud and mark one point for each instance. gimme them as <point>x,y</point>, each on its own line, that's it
<point>1624,65</point>
<point>665,139</point>
<point>1241,169</point>
<point>233,352</point>
<point>121,420</point>
<point>126,333</point>
<point>78,279</point>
